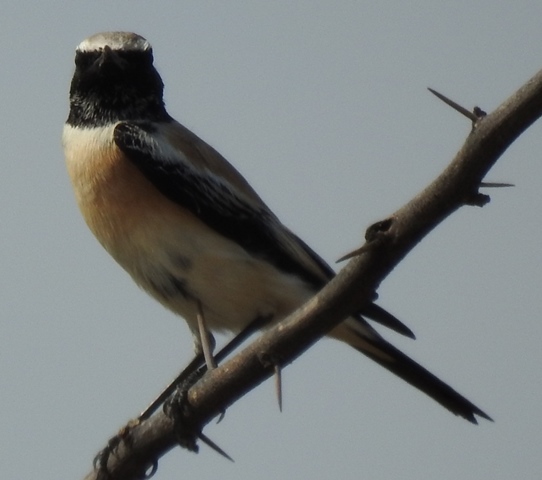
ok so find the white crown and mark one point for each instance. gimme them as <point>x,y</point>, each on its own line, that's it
<point>115,41</point>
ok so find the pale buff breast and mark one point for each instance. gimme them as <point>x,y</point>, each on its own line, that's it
<point>147,235</point>
<point>121,207</point>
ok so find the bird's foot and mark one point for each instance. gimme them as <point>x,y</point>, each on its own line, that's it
<point>178,408</point>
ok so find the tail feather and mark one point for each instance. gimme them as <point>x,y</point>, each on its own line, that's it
<point>391,358</point>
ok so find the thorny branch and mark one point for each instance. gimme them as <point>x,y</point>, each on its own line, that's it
<point>388,242</point>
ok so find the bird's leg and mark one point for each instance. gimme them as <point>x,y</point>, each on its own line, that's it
<point>197,366</point>
<point>207,341</point>
<point>257,324</point>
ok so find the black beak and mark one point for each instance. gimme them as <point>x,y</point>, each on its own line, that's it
<point>110,59</point>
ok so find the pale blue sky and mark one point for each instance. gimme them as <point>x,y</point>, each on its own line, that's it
<point>323,107</point>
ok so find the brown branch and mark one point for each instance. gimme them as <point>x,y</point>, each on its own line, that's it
<point>387,243</point>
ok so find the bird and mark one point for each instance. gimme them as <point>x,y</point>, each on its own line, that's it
<point>186,225</point>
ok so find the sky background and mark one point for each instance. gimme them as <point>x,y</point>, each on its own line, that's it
<point>323,107</point>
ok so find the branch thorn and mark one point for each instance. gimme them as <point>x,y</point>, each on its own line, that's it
<point>473,116</point>
<point>205,439</point>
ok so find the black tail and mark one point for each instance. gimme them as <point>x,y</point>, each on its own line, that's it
<point>397,362</point>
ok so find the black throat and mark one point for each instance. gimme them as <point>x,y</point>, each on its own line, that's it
<point>122,86</point>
